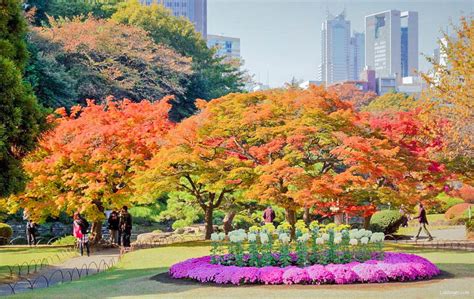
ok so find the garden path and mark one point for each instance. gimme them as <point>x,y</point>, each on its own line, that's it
<point>71,269</point>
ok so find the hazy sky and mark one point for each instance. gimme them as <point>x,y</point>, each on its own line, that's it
<point>281,38</point>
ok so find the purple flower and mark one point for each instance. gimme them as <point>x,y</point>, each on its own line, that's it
<point>271,275</point>
<point>318,274</point>
<point>394,267</point>
<point>295,275</point>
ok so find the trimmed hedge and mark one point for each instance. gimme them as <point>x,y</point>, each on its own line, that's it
<point>458,213</point>
<point>386,221</point>
<point>6,233</point>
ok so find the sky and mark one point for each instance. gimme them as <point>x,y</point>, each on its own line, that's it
<point>280,39</point>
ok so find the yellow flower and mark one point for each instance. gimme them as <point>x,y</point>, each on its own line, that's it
<point>268,227</point>
<point>314,224</point>
<point>254,229</point>
<point>284,226</point>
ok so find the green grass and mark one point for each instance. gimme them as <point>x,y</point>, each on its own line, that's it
<point>132,278</point>
<point>14,256</point>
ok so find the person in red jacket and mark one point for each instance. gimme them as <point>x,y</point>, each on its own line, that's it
<point>423,221</point>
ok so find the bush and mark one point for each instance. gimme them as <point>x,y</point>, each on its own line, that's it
<point>180,223</point>
<point>66,240</point>
<point>443,202</point>
<point>243,222</point>
<point>6,233</point>
<point>458,213</point>
<point>386,221</point>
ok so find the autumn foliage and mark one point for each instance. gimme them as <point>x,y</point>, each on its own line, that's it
<point>87,161</point>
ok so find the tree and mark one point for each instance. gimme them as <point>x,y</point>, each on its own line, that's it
<point>39,10</point>
<point>21,118</point>
<point>86,163</point>
<point>310,149</point>
<point>193,163</point>
<point>101,58</point>
<point>452,90</point>
<point>393,101</point>
<point>350,93</point>
<point>212,76</point>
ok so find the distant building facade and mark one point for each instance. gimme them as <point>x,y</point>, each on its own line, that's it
<point>391,43</point>
<point>194,10</point>
<point>357,55</point>
<point>335,52</point>
<point>226,46</point>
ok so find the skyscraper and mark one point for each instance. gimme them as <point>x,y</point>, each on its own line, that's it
<point>357,55</point>
<point>391,43</point>
<point>335,53</point>
<point>194,10</point>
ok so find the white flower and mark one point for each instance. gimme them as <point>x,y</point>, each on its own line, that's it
<point>337,240</point>
<point>364,240</point>
<point>377,237</point>
<point>353,242</point>
<point>215,237</point>
<point>304,238</point>
<point>284,238</point>
<point>264,238</point>
<point>338,235</point>
<point>325,237</point>
<point>353,233</point>
<point>319,241</point>
<point>221,236</point>
<point>252,237</point>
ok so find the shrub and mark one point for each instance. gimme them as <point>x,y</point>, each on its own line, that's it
<point>458,213</point>
<point>180,223</point>
<point>66,240</point>
<point>443,202</point>
<point>386,221</point>
<point>6,233</point>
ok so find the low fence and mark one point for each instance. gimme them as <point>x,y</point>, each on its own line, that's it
<point>57,276</point>
<point>166,241</point>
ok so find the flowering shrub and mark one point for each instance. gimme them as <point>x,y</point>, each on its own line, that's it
<point>394,267</point>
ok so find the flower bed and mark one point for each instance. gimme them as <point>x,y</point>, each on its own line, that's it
<point>393,267</point>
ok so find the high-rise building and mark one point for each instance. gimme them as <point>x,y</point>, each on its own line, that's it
<point>226,46</point>
<point>194,10</point>
<point>335,49</point>
<point>357,55</point>
<point>391,43</point>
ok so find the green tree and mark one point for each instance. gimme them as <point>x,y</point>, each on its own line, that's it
<point>212,76</point>
<point>39,10</point>
<point>21,118</point>
<point>392,101</point>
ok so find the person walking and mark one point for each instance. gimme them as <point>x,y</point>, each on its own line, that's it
<point>31,229</point>
<point>125,226</point>
<point>113,227</point>
<point>423,222</point>
<point>80,230</point>
<point>268,215</point>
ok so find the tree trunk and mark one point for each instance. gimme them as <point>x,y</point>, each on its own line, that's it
<point>96,232</point>
<point>338,218</point>
<point>306,216</point>
<point>229,217</point>
<point>291,218</point>
<point>208,220</point>
<point>367,222</point>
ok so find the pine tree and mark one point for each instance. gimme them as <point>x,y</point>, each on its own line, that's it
<point>21,118</point>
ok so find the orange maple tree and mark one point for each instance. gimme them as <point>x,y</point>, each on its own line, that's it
<point>311,149</point>
<point>87,161</point>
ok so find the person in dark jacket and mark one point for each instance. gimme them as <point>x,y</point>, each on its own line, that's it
<point>31,229</point>
<point>125,226</point>
<point>423,221</point>
<point>113,227</point>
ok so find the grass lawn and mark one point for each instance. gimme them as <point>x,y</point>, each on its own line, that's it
<point>132,278</point>
<point>11,256</point>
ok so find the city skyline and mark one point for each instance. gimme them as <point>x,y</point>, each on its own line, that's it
<point>269,30</point>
